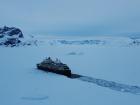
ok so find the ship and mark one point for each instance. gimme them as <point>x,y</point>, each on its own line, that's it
<point>54,66</point>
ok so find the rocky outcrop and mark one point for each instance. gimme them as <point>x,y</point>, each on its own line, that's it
<point>10,36</point>
<point>82,42</point>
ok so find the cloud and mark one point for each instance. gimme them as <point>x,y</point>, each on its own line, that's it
<point>72,16</point>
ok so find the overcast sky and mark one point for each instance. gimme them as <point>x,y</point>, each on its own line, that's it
<point>72,16</point>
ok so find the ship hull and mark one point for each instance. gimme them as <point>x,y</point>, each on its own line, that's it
<point>61,72</point>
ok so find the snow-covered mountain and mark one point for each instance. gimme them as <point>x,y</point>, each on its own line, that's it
<point>10,36</point>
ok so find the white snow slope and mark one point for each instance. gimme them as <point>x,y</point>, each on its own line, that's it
<point>22,84</point>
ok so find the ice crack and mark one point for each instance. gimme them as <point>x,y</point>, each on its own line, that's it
<point>112,85</point>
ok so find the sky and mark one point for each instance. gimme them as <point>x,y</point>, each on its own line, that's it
<point>72,17</point>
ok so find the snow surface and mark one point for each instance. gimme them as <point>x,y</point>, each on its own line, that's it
<point>115,60</point>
